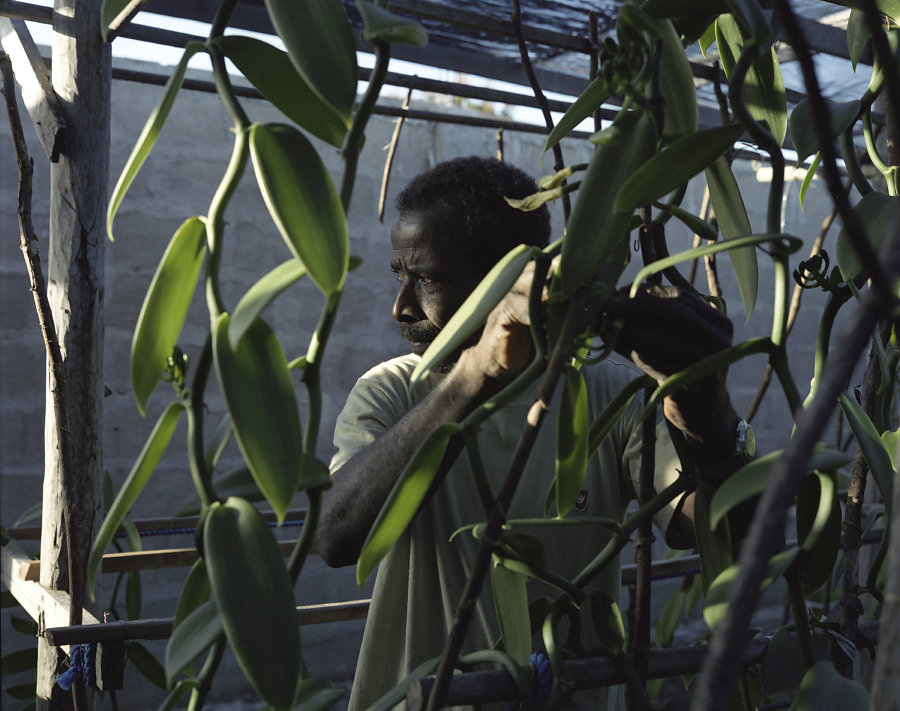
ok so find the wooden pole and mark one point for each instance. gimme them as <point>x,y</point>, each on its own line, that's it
<point>78,185</point>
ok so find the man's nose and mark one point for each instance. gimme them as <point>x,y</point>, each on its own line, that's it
<point>405,305</point>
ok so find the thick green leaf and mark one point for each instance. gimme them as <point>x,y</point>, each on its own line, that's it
<point>818,529</point>
<point>191,637</point>
<point>270,70</point>
<point>731,216</point>
<point>522,546</point>
<point>676,82</point>
<point>751,479</point>
<point>260,295</point>
<point>32,513</point>
<point>149,134</point>
<point>165,307</point>
<point>319,41</point>
<point>181,688</point>
<point>23,660</point>
<point>875,211</point>
<point>194,592</point>
<point>803,135</point>
<point>237,482</point>
<point>713,541</point>
<point>764,85</point>
<point>692,221</point>
<point>381,24</point>
<point>302,201</point>
<point>474,310</point>
<point>147,664</point>
<point>857,36</point>
<point>608,622</point>
<point>259,393</point>
<point>891,440</point>
<point>783,665</point>
<point>109,12</point>
<point>873,449</point>
<point>511,604</point>
<point>590,100</point>
<point>404,500</point>
<point>670,618</point>
<point>572,434</point>
<point>133,595</point>
<point>595,229</point>
<point>808,178</point>
<point>675,166</point>
<point>716,602</point>
<point>823,689</point>
<point>316,695</point>
<point>247,574</point>
<point>134,483</point>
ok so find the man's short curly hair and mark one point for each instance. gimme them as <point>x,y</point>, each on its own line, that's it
<point>475,187</point>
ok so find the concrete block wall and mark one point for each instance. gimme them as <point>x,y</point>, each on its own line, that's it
<point>176,183</point>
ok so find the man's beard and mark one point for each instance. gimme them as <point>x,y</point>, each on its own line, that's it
<point>420,335</point>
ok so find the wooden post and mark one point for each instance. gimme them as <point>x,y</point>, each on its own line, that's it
<point>78,184</point>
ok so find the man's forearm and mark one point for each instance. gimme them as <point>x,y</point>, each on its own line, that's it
<point>361,486</point>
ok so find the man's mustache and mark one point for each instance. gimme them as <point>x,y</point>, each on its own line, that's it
<point>419,332</point>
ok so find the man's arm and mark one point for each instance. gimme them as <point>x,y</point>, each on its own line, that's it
<point>361,486</point>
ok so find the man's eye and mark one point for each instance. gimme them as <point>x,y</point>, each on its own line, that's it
<point>427,281</point>
<point>398,274</point>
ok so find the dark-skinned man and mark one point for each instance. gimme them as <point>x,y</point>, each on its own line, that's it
<point>453,226</point>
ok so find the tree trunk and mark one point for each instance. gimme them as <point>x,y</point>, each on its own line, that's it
<point>78,184</point>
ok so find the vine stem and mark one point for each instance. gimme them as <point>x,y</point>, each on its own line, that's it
<point>481,566</point>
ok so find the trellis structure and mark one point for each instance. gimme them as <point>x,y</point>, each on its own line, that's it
<point>75,140</point>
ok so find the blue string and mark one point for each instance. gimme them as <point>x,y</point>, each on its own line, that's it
<point>81,666</point>
<point>543,679</point>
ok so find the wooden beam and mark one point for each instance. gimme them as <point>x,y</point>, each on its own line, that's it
<point>37,92</point>
<point>49,608</point>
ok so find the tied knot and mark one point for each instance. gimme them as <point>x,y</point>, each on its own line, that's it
<point>81,666</point>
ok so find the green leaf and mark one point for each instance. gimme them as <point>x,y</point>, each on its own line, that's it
<point>20,660</point>
<point>149,134</point>
<point>474,310</point>
<point>713,541</point>
<point>511,604</point>
<point>803,135</point>
<point>237,482</point>
<point>670,618</point>
<point>608,622</point>
<point>302,201</point>
<point>590,100</point>
<point>316,695</point>
<point>783,664</point>
<point>165,307</point>
<point>260,295</point>
<point>891,441</point>
<point>135,481</point>
<point>676,82</point>
<point>572,429</point>
<point>873,449</point>
<point>818,529</point>
<point>259,393</point>
<point>147,664</point>
<point>247,573</point>
<point>875,210</point>
<point>404,500</point>
<point>109,11</point>
<point>808,178</point>
<point>522,546</point>
<point>750,480</point>
<point>194,593</point>
<point>716,603</point>
<point>24,625</point>
<point>319,41</point>
<point>595,229</point>
<point>217,443</point>
<point>675,166</point>
<point>133,595</point>
<point>691,221</point>
<point>731,216</point>
<point>181,688</point>
<point>381,24</point>
<point>857,36</point>
<point>32,513</point>
<point>23,692</point>
<point>823,689</point>
<point>764,85</point>
<point>270,70</point>
<point>191,637</point>
<point>707,38</point>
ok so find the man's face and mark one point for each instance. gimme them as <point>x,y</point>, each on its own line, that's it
<point>435,278</point>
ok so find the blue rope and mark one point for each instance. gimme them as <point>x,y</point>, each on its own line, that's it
<point>177,531</point>
<point>81,666</point>
<point>543,679</point>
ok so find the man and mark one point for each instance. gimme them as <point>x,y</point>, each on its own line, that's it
<point>453,226</point>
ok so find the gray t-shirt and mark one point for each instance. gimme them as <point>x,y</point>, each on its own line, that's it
<point>421,580</point>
